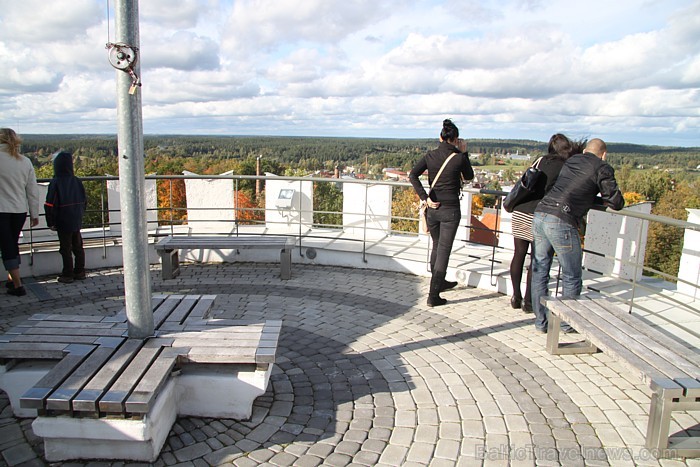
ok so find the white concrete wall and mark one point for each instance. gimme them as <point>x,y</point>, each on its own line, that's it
<point>618,237</point>
<point>505,239</point>
<point>366,205</point>
<point>114,205</point>
<point>466,208</point>
<point>690,258</point>
<point>286,219</point>
<point>210,204</point>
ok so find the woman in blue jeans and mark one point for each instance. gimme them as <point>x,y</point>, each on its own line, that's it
<point>443,201</point>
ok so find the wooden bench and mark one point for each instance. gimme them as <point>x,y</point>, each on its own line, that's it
<point>168,249</point>
<point>101,374</point>
<point>669,368</point>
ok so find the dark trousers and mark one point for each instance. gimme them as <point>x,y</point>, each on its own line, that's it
<point>442,223</point>
<point>11,224</point>
<point>71,244</point>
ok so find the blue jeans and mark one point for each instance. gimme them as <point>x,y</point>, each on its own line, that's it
<point>552,235</point>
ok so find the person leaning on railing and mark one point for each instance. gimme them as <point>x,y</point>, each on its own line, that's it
<point>559,149</point>
<point>18,191</point>
<point>443,201</point>
<point>557,219</point>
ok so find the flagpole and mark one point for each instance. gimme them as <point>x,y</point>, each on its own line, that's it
<point>137,277</point>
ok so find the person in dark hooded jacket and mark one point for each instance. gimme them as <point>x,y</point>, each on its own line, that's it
<point>64,208</point>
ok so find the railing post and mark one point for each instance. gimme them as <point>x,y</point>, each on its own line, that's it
<point>364,228</point>
<point>301,214</point>
<point>102,218</point>
<point>642,226</point>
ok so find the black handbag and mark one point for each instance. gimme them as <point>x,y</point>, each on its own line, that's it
<point>524,188</point>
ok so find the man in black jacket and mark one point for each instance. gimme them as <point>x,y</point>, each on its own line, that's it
<point>555,226</point>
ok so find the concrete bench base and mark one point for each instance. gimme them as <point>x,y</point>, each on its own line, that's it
<point>67,438</point>
<point>191,392</point>
<point>16,379</point>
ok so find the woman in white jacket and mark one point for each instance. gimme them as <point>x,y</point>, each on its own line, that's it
<point>18,193</point>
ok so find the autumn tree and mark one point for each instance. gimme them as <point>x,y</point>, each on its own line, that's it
<point>328,204</point>
<point>633,198</point>
<point>665,242</point>
<point>477,205</point>
<point>404,208</point>
<point>652,184</point>
<point>247,209</point>
<point>172,202</point>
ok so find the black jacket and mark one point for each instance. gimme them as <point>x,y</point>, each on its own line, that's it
<point>550,166</point>
<point>65,200</point>
<point>449,186</point>
<point>582,177</point>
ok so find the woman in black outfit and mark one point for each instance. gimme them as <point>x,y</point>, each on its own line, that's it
<point>559,150</point>
<point>443,202</point>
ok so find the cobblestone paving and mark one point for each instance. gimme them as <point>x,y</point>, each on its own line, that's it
<point>368,375</point>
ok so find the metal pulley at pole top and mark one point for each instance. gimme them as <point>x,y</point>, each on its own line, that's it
<point>123,57</point>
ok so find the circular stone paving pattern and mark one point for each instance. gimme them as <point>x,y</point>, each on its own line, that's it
<point>366,374</point>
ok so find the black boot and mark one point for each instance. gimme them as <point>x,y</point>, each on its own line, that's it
<point>436,282</point>
<point>447,285</point>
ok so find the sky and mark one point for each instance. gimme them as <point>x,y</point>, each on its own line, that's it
<point>622,70</point>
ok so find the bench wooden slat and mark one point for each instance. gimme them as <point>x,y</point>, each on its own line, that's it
<point>689,354</point>
<point>78,319</point>
<point>61,398</point>
<point>165,308</point>
<point>120,316</point>
<point>232,243</point>
<point>592,332</point>
<point>115,398</point>
<point>651,338</point>
<point>115,331</point>
<point>644,347</point>
<point>202,308</point>
<point>35,397</point>
<point>144,395</point>
<point>40,350</point>
<point>69,324</point>
<point>208,343</point>
<point>221,355</point>
<point>202,326</point>
<point>183,309</point>
<point>265,355</point>
<point>88,398</point>
<point>48,339</point>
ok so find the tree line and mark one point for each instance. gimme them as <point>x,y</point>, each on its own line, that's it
<point>666,176</point>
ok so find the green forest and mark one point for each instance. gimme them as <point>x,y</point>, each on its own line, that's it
<point>668,177</point>
<point>310,153</point>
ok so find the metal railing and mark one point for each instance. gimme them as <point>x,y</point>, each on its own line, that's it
<point>247,217</point>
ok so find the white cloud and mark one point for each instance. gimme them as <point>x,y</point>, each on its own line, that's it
<point>511,68</point>
<point>172,14</point>
<point>182,50</point>
<point>40,21</point>
<point>257,25</point>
